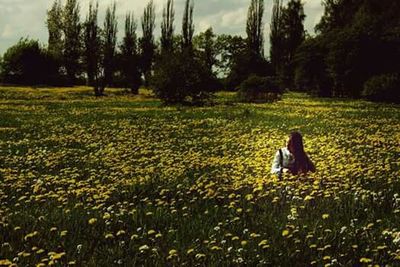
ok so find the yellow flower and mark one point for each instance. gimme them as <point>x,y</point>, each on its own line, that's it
<point>262,243</point>
<point>365,260</point>
<point>285,232</point>
<point>325,216</point>
<point>63,233</point>
<point>120,232</point>
<point>92,221</point>
<point>144,247</point>
<point>5,262</point>
<point>151,232</point>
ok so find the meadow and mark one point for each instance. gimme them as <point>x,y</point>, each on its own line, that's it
<point>123,180</point>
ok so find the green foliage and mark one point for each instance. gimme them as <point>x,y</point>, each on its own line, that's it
<point>276,36</point>
<point>255,27</point>
<point>188,26</point>
<point>246,64</point>
<point>129,57</point>
<point>54,26</point>
<point>109,44</point>
<point>147,43</point>
<point>259,89</point>
<point>287,34</point>
<point>356,41</point>
<point>92,45</point>
<point>167,28</point>
<point>205,44</point>
<point>28,63</point>
<point>384,88</point>
<point>229,48</point>
<point>72,46</point>
<point>181,78</point>
<point>310,73</point>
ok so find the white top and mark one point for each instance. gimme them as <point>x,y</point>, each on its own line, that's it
<point>287,161</point>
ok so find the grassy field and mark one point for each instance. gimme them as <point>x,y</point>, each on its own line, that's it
<point>122,180</point>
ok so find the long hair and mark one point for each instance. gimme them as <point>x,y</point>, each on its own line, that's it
<point>302,164</point>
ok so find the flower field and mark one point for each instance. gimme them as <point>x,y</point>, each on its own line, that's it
<point>125,181</point>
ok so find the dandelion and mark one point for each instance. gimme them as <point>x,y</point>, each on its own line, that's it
<point>365,260</point>
<point>144,248</point>
<point>92,221</point>
<point>285,232</point>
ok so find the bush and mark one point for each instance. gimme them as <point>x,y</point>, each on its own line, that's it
<point>28,63</point>
<point>244,65</point>
<point>180,78</point>
<point>259,89</point>
<point>383,88</point>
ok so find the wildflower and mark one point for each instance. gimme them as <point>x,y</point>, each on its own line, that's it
<point>365,260</point>
<point>144,248</point>
<point>92,221</point>
<point>285,232</point>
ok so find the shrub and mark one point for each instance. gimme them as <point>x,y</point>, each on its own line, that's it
<point>180,78</point>
<point>28,63</point>
<point>384,88</point>
<point>259,89</point>
<point>244,65</point>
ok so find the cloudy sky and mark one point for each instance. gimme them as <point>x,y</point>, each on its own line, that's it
<point>26,18</point>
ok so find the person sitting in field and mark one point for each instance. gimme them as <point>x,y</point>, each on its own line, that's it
<point>292,158</point>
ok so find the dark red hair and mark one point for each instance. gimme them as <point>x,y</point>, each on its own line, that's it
<point>302,163</point>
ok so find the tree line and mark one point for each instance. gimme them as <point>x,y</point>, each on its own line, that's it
<point>354,53</point>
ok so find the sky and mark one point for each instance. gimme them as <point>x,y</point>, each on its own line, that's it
<point>26,18</point>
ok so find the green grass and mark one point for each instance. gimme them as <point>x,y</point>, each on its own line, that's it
<point>125,180</point>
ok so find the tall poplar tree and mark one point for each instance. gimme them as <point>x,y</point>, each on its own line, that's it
<point>54,26</point>
<point>255,27</point>
<point>293,29</point>
<point>277,36</point>
<point>92,45</point>
<point>129,55</point>
<point>109,44</point>
<point>188,26</point>
<point>72,41</point>
<point>167,28</point>
<point>147,41</point>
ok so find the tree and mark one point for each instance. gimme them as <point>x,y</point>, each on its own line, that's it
<point>29,64</point>
<point>229,49</point>
<point>147,41</point>
<point>311,69</point>
<point>109,44</point>
<point>277,37</point>
<point>54,26</point>
<point>92,45</point>
<point>361,41</point>
<point>72,41</point>
<point>294,35</point>
<point>167,28</point>
<point>181,79</point>
<point>129,55</point>
<point>188,26</point>
<point>255,27</point>
<point>206,44</point>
